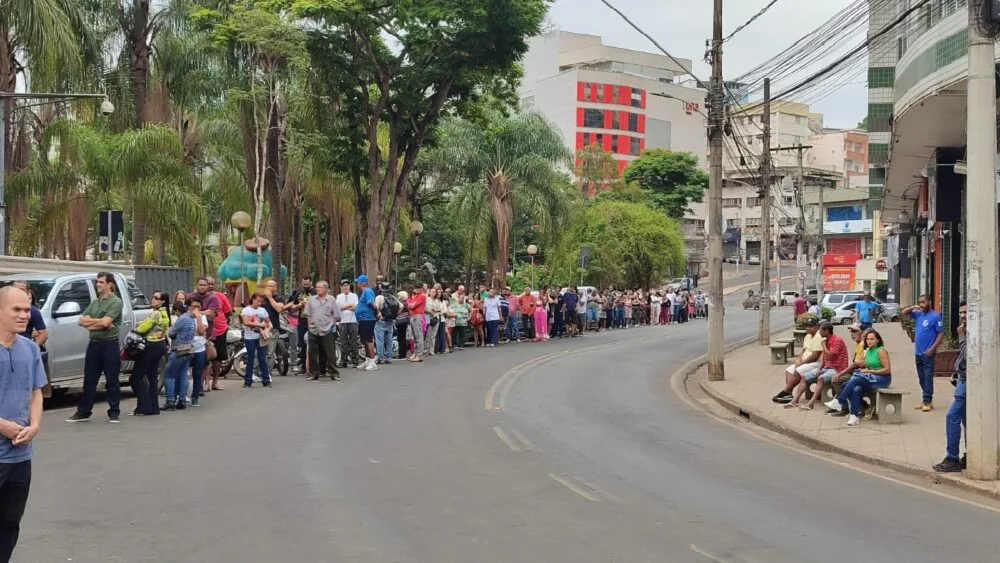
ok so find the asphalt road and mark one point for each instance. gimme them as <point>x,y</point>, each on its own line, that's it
<point>580,454</point>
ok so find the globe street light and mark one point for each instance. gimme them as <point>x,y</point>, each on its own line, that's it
<point>397,248</point>
<point>241,221</point>
<point>532,251</point>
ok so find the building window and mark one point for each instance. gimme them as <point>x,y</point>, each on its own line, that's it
<point>633,122</point>
<point>587,90</point>
<point>614,94</point>
<point>636,146</point>
<point>787,200</point>
<point>586,139</point>
<point>593,118</point>
<point>731,202</point>
<point>614,120</point>
<point>614,143</point>
<point>753,221</point>
<point>636,98</point>
<point>599,139</point>
<point>732,223</point>
<point>753,202</point>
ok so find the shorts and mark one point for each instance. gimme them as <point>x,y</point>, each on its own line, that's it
<point>803,369</point>
<point>826,373</point>
<point>366,330</point>
<point>221,347</point>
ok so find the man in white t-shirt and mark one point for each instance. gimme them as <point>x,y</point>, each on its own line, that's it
<point>347,300</point>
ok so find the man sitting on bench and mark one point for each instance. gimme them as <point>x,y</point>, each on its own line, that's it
<point>812,350</point>
<point>834,362</point>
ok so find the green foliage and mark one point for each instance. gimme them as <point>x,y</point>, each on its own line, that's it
<point>672,178</point>
<point>800,321</point>
<point>631,244</point>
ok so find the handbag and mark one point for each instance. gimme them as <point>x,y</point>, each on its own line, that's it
<point>183,349</point>
<point>210,352</point>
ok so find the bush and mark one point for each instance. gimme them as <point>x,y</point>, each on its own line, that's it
<point>801,320</point>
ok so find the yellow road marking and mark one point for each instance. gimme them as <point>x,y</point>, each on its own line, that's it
<point>506,439</point>
<point>572,486</point>
<point>704,553</point>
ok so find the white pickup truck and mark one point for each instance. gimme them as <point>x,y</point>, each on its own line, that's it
<point>61,298</point>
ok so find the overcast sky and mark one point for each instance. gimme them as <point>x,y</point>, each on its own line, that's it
<point>682,26</point>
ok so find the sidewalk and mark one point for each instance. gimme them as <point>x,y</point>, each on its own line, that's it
<point>911,447</point>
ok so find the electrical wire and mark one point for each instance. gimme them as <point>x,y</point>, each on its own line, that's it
<point>751,20</point>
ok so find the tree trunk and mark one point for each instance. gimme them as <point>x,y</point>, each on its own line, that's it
<point>298,251</point>
<point>317,248</point>
<point>272,191</point>
<point>333,253</point>
<point>160,250</point>
<point>500,204</point>
<point>138,35</point>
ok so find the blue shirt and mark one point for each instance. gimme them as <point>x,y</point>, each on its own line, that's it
<point>366,305</point>
<point>21,373</point>
<point>926,327</point>
<point>570,299</point>
<point>866,311</point>
<point>36,322</point>
<point>182,332</point>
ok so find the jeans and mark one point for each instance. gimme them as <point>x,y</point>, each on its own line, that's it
<point>102,357</point>
<point>954,421</point>
<point>430,338</point>
<point>925,374</point>
<point>256,354</point>
<point>176,377</point>
<point>15,482</point>
<point>858,385</point>
<point>416,326</point>
<point>383,340</point>
<point>146,378</point>
<point>491,331</point>
<point>619,317</point>
<point>513,331</point>
<point>198,362</point>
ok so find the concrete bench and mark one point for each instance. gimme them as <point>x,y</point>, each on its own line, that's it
<point>791,345</point>
<point>888,405</point>
<point>800,337</point>
<point>779,354</point>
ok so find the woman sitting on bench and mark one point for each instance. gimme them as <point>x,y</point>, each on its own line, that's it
<point>877,374</point>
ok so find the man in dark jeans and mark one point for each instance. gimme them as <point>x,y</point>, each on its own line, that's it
<point>103,318</point>
<point>21,404</point>
<point>928,330</point>
<point>296,303</point>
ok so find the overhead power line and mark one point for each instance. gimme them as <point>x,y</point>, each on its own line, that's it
<point>751,20</point>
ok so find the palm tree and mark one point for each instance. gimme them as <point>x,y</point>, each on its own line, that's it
<point>513,160</point>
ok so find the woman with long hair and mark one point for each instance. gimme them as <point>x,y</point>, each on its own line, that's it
<point>146,372</point>
<point>876,374</point>
<point>541,317</point>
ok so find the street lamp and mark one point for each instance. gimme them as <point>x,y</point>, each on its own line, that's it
<point>416,228</point>
<point>241,220</point>
<point>106,108</point>
<point>397,248</point>
<point>532,251</point>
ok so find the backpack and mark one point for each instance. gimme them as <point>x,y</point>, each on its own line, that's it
<point>390,307</point>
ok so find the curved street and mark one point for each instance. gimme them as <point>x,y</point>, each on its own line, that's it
<point>573,451</point>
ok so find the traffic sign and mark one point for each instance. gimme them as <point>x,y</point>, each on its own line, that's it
<point>802,276</point>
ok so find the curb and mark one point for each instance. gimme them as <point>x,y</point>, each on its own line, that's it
<point>755,417</point>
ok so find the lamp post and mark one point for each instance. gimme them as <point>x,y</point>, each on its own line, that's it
<point>532,251</point>
<point>106,108</point>
<point>241,220</point>
<point>397,248</point>
<point>416,229</point>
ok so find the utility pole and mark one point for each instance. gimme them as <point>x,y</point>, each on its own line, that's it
<point>981,251</point>
<point>800,230</point>
<point>821,246</point>
<point>764,328</point>
<point>716,132</point>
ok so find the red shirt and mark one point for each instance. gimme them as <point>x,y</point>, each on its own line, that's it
<point>527,303</point>
<point>220,324</point>
<point>800,308</point>
<point>836,354</point>
<point>417,303</point>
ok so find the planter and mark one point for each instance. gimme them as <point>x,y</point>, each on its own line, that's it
<point>944,363</point>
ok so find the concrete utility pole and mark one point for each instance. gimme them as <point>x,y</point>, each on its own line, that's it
<point>800,230</point>
<point>821,246</point>
<point>981,251</point>
<point>716,132</point>
<point>764,328</point>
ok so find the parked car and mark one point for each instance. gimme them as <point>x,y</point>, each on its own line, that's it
<point>843,314</point>
<point>834,299</point>
<point>889,312</point>
<point>680,284</point>
<point>787,297</point>
<point>61,298</point>
<point>753,260</point>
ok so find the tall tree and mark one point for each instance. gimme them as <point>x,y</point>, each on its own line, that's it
<point>514,159</point>
<point>673,179</point>
<point>595,170</point>
<point>403,64</point>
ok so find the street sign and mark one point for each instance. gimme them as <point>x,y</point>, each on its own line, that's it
<point>801,275</point>
<point>801,260</point>
<point>112,222</point>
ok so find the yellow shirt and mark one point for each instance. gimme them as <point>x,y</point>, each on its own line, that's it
<point>812,343</point>
<point>859,352</point>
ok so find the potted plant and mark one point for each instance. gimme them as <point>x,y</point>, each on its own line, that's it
<point>906,321</point>
<point>944,358</point>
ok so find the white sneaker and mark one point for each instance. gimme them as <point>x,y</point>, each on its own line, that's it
<point>370,365</point>
<point>853,420</point>
<point>834,404</point>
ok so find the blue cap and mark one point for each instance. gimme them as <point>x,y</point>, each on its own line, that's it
<point>361,279</point>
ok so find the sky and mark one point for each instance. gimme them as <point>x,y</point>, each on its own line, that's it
<point>682,26</point>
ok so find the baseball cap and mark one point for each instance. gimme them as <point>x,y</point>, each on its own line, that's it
<point>812,321</point>
<point>345,281</point>
<point>854,328</point>
<point>361,279</point>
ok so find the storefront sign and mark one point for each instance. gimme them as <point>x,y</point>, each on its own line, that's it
<point>847,227</point>
<point>840,259</point>
<point>838,278</point>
